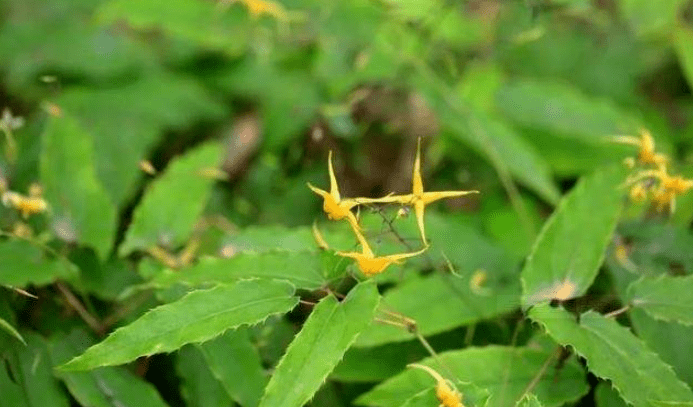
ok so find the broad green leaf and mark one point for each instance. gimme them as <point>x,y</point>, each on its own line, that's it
<point>172,203</point>
<point>235,363</point>
<point>303,269</point>
<point>23,263</point>
<point>329,331</point>
<point>32,369</point>
<point>567,254</point>
<point>13,395</point>
<point>666,298</point>
<point>614,353</point>
<point>529,400</point>
<point>81,208</point>
<point>128,120</point>
<point>197,317</point>
<point>199,387</point>
<point>504,371</point>
<point>652,16</point>
<point>103,387</point>
<point>205,23</point>
<point>564,111</point>
<point>7,327</point>
<point>378,363</point>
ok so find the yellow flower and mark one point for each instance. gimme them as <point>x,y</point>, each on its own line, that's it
<point>446,394</point>
<point>371,265</point>
<point>26,205</point>
<point>668,189</point>
<point>334,206</point>
<point>419,199</point>
<point>646,145</point>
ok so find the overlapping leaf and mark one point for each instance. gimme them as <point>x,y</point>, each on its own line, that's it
<point>173,203</point>
<point>570,248</point>
<point>329,331</point>
<point>197,317</point>
<point>81,208</point>
<point>667,298</point>
<point>199,387</point>
<point>614,353</point>
<point>504,372</point>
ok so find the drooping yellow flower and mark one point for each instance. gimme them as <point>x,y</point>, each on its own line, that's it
<point>419,199</point>
<point>646,153</point>
<point>334,206</point>
<point>446,394</point>
<point>371,265</point>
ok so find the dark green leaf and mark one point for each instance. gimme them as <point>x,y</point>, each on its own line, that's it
<point>199,387</point>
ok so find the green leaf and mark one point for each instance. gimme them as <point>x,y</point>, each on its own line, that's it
<point>13,394</point>
<point>567,254</point>
<point>7,327</point>
<point>103,387</point>
<point>81,208</point>
<point>32,369</point>
<point>666,298</point>
<point>683,41</point>
<point>504,371</point>
<point>563,110</point>
<point>23,263</point>
<point>529,400</point>
<point>607,396</point>
<point>199,387</point>
<point>378,363</point>
<point>197,317</point>
<point>129,120</point>
<point>472,396</point>
<point>303,269</point>
<point>614,353</point>
<point>235,363</point>
<point>651,16</point>
<point>203,22</point>
<point>329,331</point>
<point>173,202</point>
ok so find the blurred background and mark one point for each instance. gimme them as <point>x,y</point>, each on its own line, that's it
<point>514,98</point>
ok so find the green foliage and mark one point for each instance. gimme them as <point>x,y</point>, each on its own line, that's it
<point>153,166</point>
<point>197,317</point>
<point>329,331</point>
<point>613,353</point>
<point>570,248</point>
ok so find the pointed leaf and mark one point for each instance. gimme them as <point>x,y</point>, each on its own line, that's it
<point>173,203</point>
<point>504,371</point>
<point>303,269</point>
<point>329,331</point>
<point>667,298</point>
<point>7,327</point>
<point>570,248</point>
<point>24,263</point>
<point>614,353</point>
<point>235,364</point>
<point>197,317</point>
<point>81,208</point>
<point>103,387</point>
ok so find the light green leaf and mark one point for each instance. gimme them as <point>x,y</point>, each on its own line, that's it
<point>235,363</point>
<point>32,369</point>
<point>666,298</point>
<point>7,327</point>
<point>23,263</point>
<point>303,269</point>
<point>529,400</point>
<point>173,202</point>
<point>614,353</point>
<point>81,208</point>
<point>567,254</point>
<point>197,317</point>
<point>205,23</point>
<point>504,371</point>
<point>329,331</point>
<point>128,120</point>
<point>199,387</point>
<point>563,110</point>
<point>103,387</point>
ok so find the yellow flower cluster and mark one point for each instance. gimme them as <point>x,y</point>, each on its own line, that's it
<point>652,181</point>
<point>338,208</point>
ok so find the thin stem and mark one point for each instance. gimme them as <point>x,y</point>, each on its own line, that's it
<point>537,377</point>
<point>71,299</point>
<point>617,312</point>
